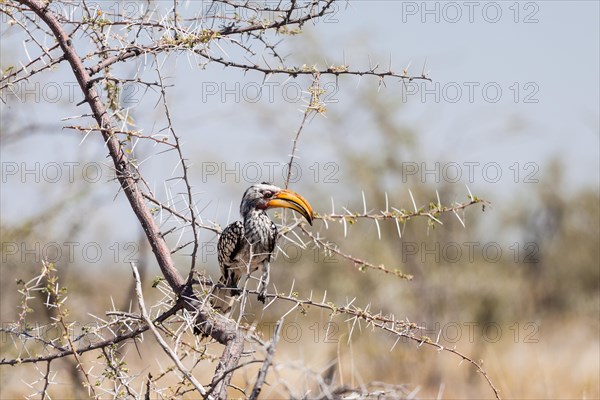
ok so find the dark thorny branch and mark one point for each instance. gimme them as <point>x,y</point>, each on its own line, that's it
<point>171,38</point>
<point>262,373</point>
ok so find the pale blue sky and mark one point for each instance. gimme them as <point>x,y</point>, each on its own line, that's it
<point>554,60</point>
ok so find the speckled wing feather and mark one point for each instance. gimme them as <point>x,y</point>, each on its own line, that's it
<point>230,244</point>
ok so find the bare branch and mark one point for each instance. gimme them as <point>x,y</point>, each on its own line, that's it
<point>314,105</point>
<point>386,323</point>
<point>159,339</point>
<point>184,167</point>
<point>227,364</point>
<point>116,37</point>
<point>95,346</point>
<point>119,156</point>
<point>360,264</point>
<point>262,373</point>
<point>402,215</point>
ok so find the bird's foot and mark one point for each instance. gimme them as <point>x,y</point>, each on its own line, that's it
<point>262,296</point>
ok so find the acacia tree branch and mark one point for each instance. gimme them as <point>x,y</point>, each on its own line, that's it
<point>359,263</point>
<point>262,373</point>
<point>314,105</point>
<point>159,339</point>
<point>227,364</point>
<point>117,153</point>
<point>172,211</point>
<point>185,177</point>
<point>387,323</point>
<point>105,343</point>
<point>220,328</point>
<point>332,70</point>
<point>294,144</point>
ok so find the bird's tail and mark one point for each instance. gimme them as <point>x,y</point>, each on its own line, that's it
<point>224,294</point>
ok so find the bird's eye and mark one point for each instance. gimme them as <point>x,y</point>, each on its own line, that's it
<point>268,195</point>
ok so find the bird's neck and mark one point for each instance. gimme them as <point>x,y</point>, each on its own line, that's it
<point>256,215</point>
<point>258,228</point>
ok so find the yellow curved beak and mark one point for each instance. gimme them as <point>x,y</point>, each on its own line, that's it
<point>289,199</point>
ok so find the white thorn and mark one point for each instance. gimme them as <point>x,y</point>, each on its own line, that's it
<point>364,202</point>
<point>435,219</point>
<point>470,194</point>
<point>398,227</point>
<point>387,204</point>
<point>413,201</point>
<point>461,221</point>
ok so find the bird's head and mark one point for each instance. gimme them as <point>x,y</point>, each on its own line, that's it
<point>263,196</point>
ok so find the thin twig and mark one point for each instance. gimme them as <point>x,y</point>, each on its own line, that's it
<point>159,339</point>
<point>46,381</point>
<point>262,373</point>
<point>361,264</point>
<point>185,168</point>
<point>295,142</point>
<point>99,345</point>
<point>387,323</point>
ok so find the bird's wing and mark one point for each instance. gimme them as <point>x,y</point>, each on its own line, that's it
<point>230,243</point>
<point>272,240</point>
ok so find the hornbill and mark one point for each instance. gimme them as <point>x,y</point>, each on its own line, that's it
<point>246,245</point>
